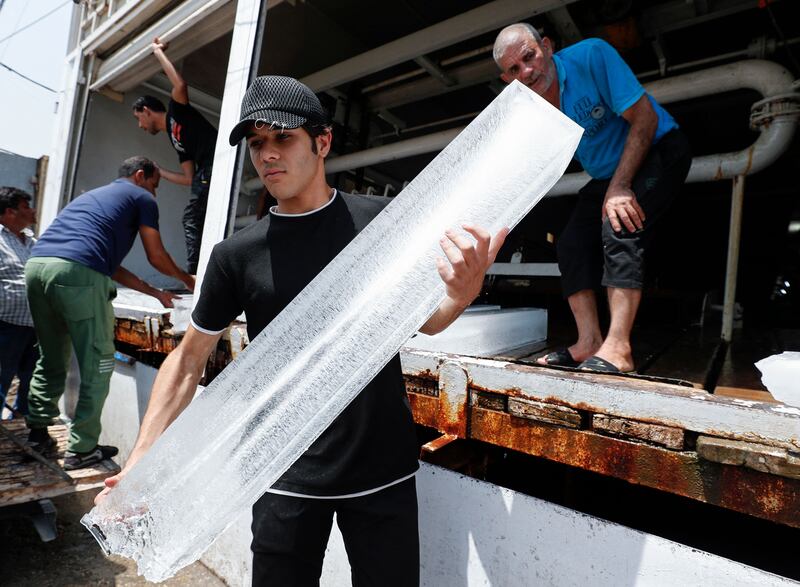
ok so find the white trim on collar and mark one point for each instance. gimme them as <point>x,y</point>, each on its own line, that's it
<point>274,209</point>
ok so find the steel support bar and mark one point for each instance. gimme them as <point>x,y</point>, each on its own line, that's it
<point>434,70</point>
<point>464,76</point>
<point>732,267</point>
<point>470,24</point>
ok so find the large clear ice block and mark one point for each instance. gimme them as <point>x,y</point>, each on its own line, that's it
<point>270,404</point>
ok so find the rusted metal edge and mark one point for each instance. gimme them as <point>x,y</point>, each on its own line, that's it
<point>643,401</point>
<point>683,473</point>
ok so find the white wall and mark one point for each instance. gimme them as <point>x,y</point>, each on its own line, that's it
<point>475,533</point>
<point>110,137</point>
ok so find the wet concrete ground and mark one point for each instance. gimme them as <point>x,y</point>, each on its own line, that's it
<point>74,559</point>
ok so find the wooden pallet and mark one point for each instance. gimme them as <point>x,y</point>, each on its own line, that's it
<point>23,480</point>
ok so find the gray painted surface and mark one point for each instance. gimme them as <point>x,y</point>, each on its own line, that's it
<point>111,136</point>
<point>17,171</point>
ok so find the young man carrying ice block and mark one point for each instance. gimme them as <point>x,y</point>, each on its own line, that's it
<point>362,467</point>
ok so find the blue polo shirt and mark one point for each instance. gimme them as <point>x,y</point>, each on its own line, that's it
<point>596,87</point>
<point>97,229</point>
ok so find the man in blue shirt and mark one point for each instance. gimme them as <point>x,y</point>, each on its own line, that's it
<point>637,158</point>
<point>69,280</point>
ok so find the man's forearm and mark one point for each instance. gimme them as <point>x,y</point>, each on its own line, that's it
<point>444,316</point>
<point>165,264</point>
<point>128,279</point>
<point>637,145</point>
<point>169,69</point>
<point>175,177</point>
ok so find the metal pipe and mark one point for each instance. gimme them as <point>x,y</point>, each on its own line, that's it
<point>765,77</point>
<point>400,150</point>
<point>732,267</point>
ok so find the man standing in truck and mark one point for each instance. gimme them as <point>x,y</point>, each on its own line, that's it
<point>637,157</point>
<point>193,138</point>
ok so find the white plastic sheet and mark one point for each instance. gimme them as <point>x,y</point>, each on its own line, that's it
<point>268,406</point>
<point>780,375</point>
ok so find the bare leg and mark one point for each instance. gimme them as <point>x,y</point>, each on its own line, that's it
<point>584,307</point>
<point>616,348</point>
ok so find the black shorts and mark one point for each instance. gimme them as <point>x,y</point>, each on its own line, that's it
<point>590,253</point>
<point>380,532</point>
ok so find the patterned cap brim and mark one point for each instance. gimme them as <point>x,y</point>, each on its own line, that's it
<point>275,118</point>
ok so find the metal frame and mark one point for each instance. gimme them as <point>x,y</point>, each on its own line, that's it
<point>443,34</point>
<point>668,405</point>
<point>134,63</point>
<point>242,66</point>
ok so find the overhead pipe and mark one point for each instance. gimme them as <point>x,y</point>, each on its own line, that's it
<point>485,70</point>
<point>767,78</point>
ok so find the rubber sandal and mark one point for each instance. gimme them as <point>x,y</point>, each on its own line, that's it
<point>600,365</point>
<point>559,358</point>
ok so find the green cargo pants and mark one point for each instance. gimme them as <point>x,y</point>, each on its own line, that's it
<point>70,303</point>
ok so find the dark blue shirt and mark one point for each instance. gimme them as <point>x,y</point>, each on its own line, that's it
<point>597,86</point>
<point>97,229</point>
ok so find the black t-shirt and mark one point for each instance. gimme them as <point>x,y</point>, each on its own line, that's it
<point>259,270</point>
<point>191,135</point>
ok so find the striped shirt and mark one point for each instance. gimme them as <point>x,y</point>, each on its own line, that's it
<point>13,255</point>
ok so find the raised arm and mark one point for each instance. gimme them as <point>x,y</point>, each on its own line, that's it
<point>173,390</point>
<point>159,258</point>
<point>620,205</point>
<point>180,92</point>
<point>463,275</point>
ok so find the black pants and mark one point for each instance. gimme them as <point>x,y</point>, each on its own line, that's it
<point>194,216</point>
<point>590,253</point>
<point>380,534</point>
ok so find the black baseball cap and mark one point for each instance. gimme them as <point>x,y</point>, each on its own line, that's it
<point>280,101</point>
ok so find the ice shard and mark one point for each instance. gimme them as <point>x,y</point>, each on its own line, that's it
<point>267,407</point>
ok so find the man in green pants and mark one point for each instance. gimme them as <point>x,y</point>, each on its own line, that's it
<point>69,280</point>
